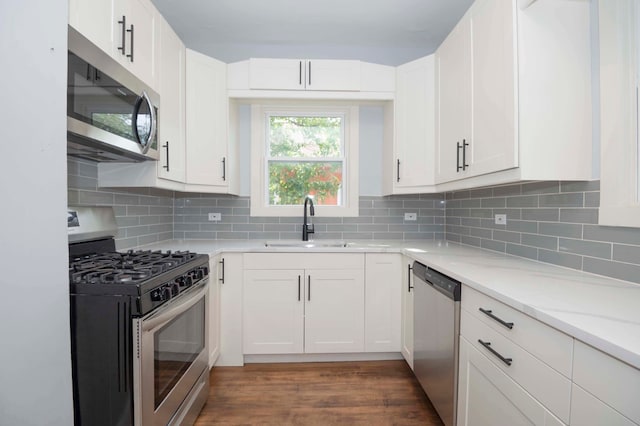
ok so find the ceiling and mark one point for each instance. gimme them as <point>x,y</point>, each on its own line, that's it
<point>388,32</point>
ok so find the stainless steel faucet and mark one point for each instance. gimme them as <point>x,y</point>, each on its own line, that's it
<point>307,228</point>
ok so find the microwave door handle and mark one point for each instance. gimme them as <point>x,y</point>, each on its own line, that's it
<point>152,112</point>
<point>163,316</point>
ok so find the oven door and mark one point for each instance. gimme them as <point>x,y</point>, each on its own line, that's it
<point>171,359</point>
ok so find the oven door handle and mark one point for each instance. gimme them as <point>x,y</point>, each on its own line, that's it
<point>166,314</point>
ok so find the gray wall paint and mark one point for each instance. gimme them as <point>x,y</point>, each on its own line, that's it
<point>552,222</point>
<point>143,215</point>
<point>381,218</point>
<point>35,359</point>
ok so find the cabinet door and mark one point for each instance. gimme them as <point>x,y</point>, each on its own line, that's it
<point>407,312</point>
<point>230,278</point>
<point>336,75</point>
<point>214,310</point>
<point>277,74</point>
<point>273,304</point>
<point>334,311</point>
<point>487,396</point>
<point>587,410</point>
<point>382,302</point>
<point>414,140</point>
<point>94,20</point>
<point>453,76</point>
<point>138,38</point>
<point>494,141</point>
<point>171,127</point>
<point>207,109</point>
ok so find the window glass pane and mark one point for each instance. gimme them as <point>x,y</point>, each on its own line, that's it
<point>308,137</point>
<point>290,182</point>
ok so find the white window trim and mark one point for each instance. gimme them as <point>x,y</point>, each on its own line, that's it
<point>619,204</point>
<point>259,201</point>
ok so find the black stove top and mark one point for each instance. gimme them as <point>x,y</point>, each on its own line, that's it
<point>131,267</point>
<point>150,277</point>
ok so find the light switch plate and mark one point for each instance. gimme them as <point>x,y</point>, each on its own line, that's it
<point>501,219</point>
<point>215,217</point>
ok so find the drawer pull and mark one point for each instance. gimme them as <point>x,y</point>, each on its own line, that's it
<point>489,313</point>
<point>487,345</point>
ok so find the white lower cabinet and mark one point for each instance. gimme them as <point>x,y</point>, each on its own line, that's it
<point>406,346</point>
<point>587,410</point>
<point>229,275</point>
<point>488,396</point>
<point>334,311</point>
<point>299,303</point>
<point>214,310</point>
<point>382,304</point>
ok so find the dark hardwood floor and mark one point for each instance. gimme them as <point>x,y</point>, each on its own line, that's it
<point>337,393</point>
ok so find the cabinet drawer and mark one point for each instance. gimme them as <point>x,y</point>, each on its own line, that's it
<point>587,410</point>
<point>304,261</point>
<point>545,384</point>
<point>608,379</point>
<point>487,396</point>
<point>548,344</point>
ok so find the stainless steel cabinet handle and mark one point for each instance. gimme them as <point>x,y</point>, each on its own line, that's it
<point>298,288</point>
<point>166,146</point>
<point>487,345</point>
<point>458,167</point>
<point>224,168</point>
<point>464,154</point>
<point>309,73</point>
<point>309,287</point>
<point>221,279</point>
<point>398,170</point>
<point>122,48</point>
<point>130,55</point>
<point>489,313</point>
<point>409,269</point>
<point>300,73</point>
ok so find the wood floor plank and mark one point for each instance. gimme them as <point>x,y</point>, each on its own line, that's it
<point>336,393</point>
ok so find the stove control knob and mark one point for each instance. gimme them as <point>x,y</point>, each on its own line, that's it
<point>166,292</point>
<point>181,282</point>
<point>199,274</point>
<point>157,295</point>
<point>188,280</point>
<point>174,289</point>
<point>205,270</point>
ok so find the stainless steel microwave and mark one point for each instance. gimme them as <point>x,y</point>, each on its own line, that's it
<point>111,114</point>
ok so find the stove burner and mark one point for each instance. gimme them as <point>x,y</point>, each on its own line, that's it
<point>124,268</point>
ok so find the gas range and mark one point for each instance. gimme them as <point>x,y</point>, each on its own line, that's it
<point>151,277</point>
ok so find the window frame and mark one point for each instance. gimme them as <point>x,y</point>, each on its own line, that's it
<point>259,205</point>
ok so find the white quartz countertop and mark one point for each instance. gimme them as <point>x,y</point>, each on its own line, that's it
<point>600,311</point>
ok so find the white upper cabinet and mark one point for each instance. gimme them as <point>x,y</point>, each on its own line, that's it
<point>476,93</point>
<point>304,74</point>
<point>124,29</point>
<point>414,130</point>
<point>310,79</point>
<point>209,151</point>
<point>171,129</point>
<point>94,20</point>
<point>514,94</point>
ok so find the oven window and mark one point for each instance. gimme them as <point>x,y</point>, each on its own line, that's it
<point>177,345</point>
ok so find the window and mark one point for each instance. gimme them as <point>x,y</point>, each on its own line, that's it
<point>304,151</point>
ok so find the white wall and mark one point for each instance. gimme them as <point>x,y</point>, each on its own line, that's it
<point>35,364</point>
<point>371,139</point>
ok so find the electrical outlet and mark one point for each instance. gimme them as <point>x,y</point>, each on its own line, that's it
<point>501,219</point>
<point>411,216</point>
<point>215,217</point>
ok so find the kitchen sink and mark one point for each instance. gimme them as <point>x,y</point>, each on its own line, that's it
<point>305,244</point>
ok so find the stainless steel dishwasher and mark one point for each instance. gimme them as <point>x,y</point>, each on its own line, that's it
<point>436,330</point>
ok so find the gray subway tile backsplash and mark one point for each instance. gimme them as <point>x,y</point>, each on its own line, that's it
<point>558,225</point>
<point>553,222</point>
